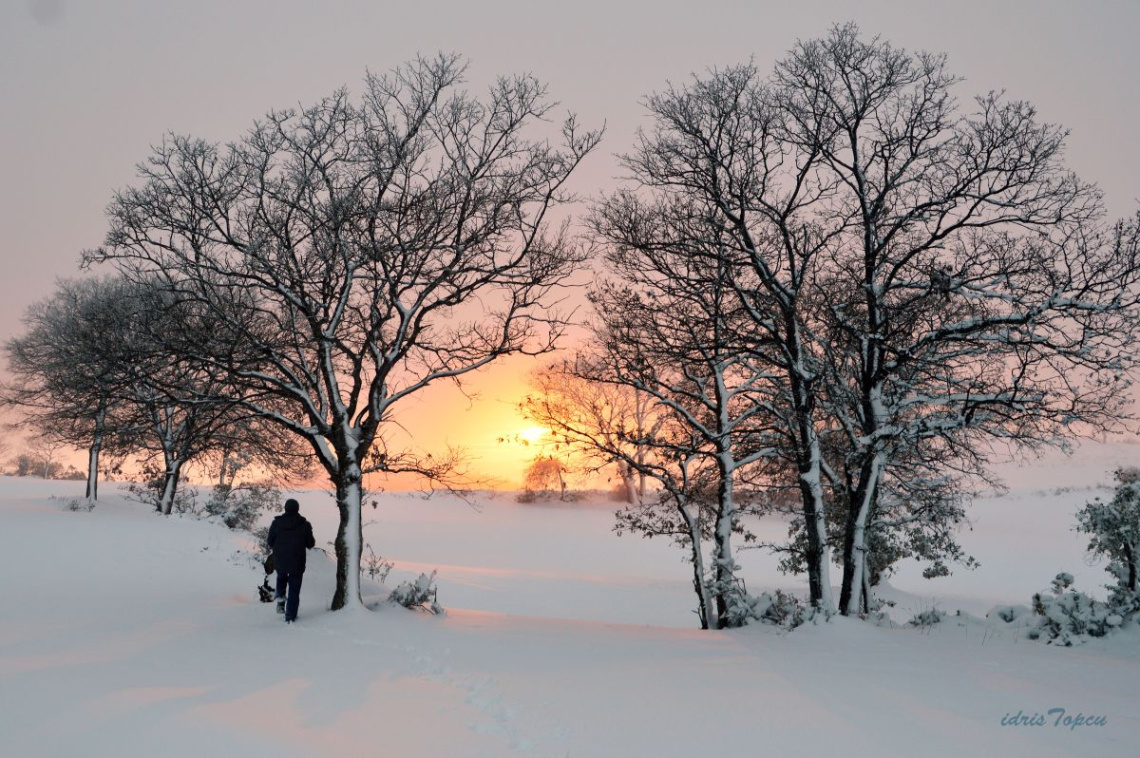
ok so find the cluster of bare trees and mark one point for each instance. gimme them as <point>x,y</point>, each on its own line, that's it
<point>839,287</point>
<point>832,289</point>
<point>95,369</point>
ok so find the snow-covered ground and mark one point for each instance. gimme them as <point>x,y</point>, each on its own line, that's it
<point>126,634</point>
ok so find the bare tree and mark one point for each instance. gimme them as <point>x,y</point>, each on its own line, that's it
<point>590,419</point>
<point>93,369</point>
<point>175,432</point>
<point>715,158</point>
<point>351,253</point>
<point>596,406</point>
<point>543,474</point>
<point>672,330</point>
<point>66,380</point>
<point>43,449</point>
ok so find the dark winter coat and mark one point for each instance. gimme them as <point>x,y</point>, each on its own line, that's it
<point>290,535</point>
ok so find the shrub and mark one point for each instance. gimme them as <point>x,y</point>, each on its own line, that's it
<point>149,491</point>
<point>773,609</point>
<point>240,506</point>
<point>1065,615</point>
<point>418,595</point>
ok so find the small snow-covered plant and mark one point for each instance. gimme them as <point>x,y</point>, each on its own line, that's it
<point>80,505</point>
<point>239,506</point>
<point>375,566</point>
<point>418,595</point>
<point>1066,615</point>
<point>783,609</point>
<point>928,618</point>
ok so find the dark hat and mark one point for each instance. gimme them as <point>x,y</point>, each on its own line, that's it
<point>292,506</point>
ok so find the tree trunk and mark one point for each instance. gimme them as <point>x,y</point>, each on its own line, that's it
<point>227,470</point>
<point>632,496</point>
<point>169,486</point>
<point>706,608</point>
<point>818,556</point>
<point>93,457</point>
<point>349,537</point>
<point>561,482</point>
<point>93,468</point>
<point>809,458</point>
<point>639,451</point>
<point>855,538</point>
<point>1130,559</point>
<point>725,568</point>
<point>866,587</point>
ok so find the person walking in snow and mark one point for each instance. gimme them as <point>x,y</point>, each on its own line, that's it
<point>290,535</point>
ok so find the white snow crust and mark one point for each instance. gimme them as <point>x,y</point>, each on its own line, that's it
<point>123,633</point>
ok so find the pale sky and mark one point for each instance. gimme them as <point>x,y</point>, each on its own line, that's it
<point>87,85</point>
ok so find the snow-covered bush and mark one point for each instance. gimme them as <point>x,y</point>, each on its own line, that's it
<point>239,506</point>
<point>781,609</point>
<point>418,595</point>
<point>1066,615</point>
<point>774,609</point>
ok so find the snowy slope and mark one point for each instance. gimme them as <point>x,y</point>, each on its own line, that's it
<point>125,634</point>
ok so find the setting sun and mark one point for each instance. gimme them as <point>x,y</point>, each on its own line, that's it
<point>533,434</point>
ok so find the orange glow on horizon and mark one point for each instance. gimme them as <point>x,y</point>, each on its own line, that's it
<point>483,421</point>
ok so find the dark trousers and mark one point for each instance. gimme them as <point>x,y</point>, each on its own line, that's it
<point>293,599</point>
